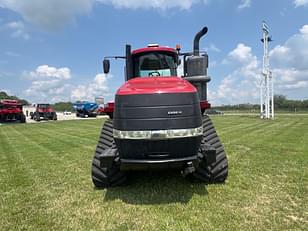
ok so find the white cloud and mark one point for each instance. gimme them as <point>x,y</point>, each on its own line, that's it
<point>55,14</point>
<point>288,64</point>
<point>244,4</point>
<point>304,30</point>
<point>46,72</point>
<point>213,47</point>
<point>51,84</point>
<point>4,74</point>
<point>298,3</point>
<point>241,53</point>
<point>293,53</point>
<point>48,83</point>
<point>18,28</point>
<point>291,79</point>
<point>98,87</point>
<point>212,63</point>
<point>12,54</point>
<point>240,86</point>
<point>48,14</point>
<point>156,4</point>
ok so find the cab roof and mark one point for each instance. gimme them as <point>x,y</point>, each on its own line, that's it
<point>153,48</point>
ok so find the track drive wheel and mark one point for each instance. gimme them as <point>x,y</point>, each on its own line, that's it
<point>54,117</point>
<point>22,118</point>
<point>216,172</point>
<point>110,114</point>
<point>111,176</point>
<point>37,116</point>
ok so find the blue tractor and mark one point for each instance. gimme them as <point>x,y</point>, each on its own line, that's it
<point>86,109</point>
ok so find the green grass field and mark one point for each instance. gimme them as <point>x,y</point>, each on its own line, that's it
<point>45,181</point>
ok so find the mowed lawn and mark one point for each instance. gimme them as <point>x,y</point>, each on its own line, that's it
<point>45,181</point>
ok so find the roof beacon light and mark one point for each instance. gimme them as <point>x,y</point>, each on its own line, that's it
<point>153,45</point>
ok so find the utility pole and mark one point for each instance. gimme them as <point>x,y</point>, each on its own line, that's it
<point>267,83</point>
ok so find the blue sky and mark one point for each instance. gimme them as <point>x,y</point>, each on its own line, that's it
<point>51,50</point>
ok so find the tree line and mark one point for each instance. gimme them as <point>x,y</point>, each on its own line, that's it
<point>281,102</point>
<point>63,106</point>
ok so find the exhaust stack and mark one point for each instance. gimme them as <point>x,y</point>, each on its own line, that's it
<point>195,67</point>
<point>197,40</point>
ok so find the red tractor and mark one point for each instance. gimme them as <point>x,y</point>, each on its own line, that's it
<point>157,120</point>
<point>107,109</point>
<point>43,112</point>
<point>11,110</point>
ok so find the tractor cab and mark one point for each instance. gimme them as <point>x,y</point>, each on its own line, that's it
<point>154,61</point>
<point>44,108</point>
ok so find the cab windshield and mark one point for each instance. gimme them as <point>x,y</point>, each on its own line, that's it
<point>154,64</point>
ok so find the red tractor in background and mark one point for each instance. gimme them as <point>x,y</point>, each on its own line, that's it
<point>107,109</point>
<point>43,112</point>
<point>157,120</point>
<point>11,110</point>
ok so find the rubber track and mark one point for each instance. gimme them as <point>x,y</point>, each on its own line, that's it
<point>106,177</point>
<point>218,171</point>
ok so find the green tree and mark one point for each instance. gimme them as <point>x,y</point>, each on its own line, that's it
<point>4,95</point>
<point>63,106</point>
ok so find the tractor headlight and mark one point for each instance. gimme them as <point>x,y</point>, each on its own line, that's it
<point>158,134</point>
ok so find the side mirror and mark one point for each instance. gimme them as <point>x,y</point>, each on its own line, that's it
<point>106,66</point>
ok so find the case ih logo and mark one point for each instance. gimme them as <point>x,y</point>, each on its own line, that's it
<point>175,112</point>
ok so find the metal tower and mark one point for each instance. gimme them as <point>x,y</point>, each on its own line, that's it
<point>266,84</point>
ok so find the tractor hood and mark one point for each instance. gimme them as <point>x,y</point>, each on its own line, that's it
<point>156,103</point>
<point>156,85</point>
